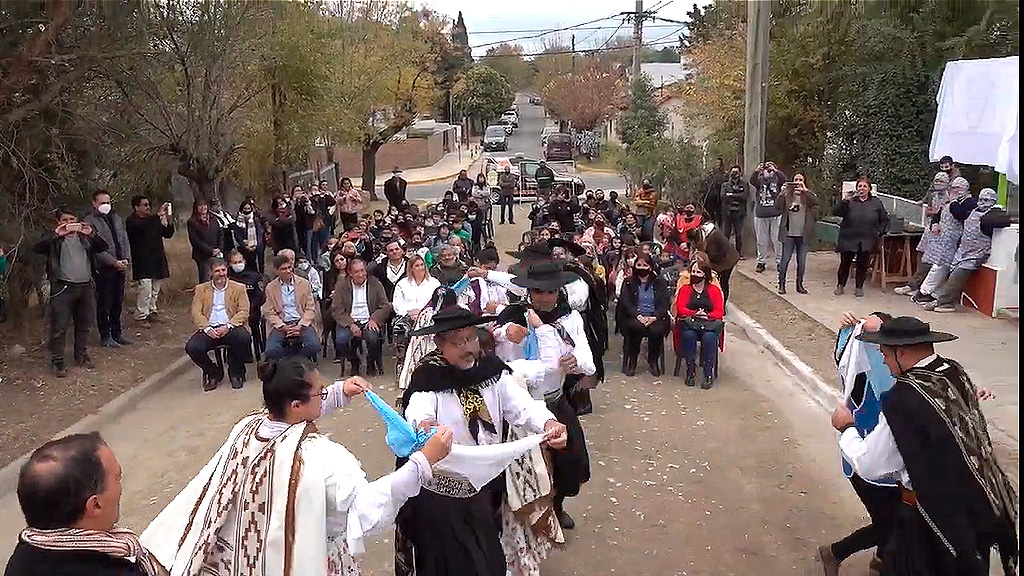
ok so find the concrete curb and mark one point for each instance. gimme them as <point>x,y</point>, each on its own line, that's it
<point>107,414</point>
<point>816,389</point>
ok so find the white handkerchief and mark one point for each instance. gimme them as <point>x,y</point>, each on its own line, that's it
<point>481,464</point>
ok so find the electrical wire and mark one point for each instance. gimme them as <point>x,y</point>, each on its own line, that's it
<point>545,33</point>
<point>583,51</point>
<point>529,30</point>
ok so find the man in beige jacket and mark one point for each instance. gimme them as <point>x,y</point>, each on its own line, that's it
<point>290,310</point>
<point>220,311</point>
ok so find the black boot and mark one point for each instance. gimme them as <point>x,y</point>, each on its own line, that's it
<point>630,367</point>
<point>655,367</point>
<point>354,371</point>
<point>691,376</point>
<point>564,520</point>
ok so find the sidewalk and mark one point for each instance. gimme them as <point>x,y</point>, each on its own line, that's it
<point>988,348</point>
<point>447,168</point>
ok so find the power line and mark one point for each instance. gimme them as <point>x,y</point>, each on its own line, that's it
<point>612,37</point>
<point>545,33</point>
<point>583,51</point>
<point>528,30</point>
<point>672,33</point>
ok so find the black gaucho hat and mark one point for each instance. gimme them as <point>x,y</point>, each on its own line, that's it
<point>905,331</point>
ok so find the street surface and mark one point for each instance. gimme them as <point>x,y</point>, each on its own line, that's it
<point>526,140</point>
<point>743,479</point>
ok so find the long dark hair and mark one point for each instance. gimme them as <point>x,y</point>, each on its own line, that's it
<point>285,381</point>
<point>195,209</point>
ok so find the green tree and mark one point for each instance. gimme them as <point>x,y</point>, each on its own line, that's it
<point>507,60</point>
<point>672,166</point>
<point>482,94</point>
<point>643,120</point>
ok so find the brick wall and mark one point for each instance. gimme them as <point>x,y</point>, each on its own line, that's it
<point>405,154</point>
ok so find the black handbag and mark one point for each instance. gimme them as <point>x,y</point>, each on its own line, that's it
<point>702,324</point>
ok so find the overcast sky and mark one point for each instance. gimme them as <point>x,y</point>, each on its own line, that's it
<point>484,17</point>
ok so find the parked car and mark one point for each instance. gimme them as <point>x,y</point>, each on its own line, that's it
<point>559,146</point>
<point>535,100</point>
<point>511,116</point>
<point>507,124</point>
<point>547,131</point>
<point>495,138</point>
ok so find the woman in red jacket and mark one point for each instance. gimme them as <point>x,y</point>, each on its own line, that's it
<point>700,308</point>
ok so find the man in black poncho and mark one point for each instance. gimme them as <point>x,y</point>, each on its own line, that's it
<point>454,529</point>
<point>958,502</point>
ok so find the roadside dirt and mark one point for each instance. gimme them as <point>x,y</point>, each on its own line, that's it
<point>37,405</point>
<point>805,336</point>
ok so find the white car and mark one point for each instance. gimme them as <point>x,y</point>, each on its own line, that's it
<point>547,131</point>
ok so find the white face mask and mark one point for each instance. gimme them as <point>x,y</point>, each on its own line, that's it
<point>472,217</point>
<point>103,208</point>
<point>238,267</point>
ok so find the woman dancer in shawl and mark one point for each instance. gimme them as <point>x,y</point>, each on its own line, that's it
<point>280,496</point>
<point>453,526</point>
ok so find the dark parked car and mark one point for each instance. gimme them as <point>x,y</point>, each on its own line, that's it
<point>495,139</point>
<point>558,147</point>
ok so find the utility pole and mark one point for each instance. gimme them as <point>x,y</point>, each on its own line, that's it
<point>638,37</point>
<point>574,55</point>
<point>759,13</point>
<point>756,108</point>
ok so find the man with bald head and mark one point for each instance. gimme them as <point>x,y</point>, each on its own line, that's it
<point>70,494</point>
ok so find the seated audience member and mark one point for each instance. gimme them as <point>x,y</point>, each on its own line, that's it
<point>391,268</point>
<point>361,308</point>
<point>291,312</point>
<point>700,308</point>
<point>244,272</point>
<point>448,269</point>
<point>70,494</point>
<point>643,308</point>
<point>220,309</point>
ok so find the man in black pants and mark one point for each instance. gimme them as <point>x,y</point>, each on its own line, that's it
<point>70,253</point>
<point>734,206</point>
<point>881,497</point>
<point>507,187</point>
<point>111,269</point>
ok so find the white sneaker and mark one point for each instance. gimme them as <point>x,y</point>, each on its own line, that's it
<point>903,290</point>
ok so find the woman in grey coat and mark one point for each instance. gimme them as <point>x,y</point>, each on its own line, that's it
<point>796,231</point>
<point>865,220</point>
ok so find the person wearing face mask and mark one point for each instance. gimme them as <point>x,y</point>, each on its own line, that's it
<point>243,272</point>
<point>687,219</point>
<point>937,198</point>
<point>735,193</point>
<point>644,302</point>
<point>111,269</point>
<point>700,308</point>
<point>250,235</point>
<point>974,249</point>
<point>767,181</point>
<point>942,239</point>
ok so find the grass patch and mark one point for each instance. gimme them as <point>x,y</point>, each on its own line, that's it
<point>607,160</point>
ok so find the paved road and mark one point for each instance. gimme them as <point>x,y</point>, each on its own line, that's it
<point>739,480</point>
<point>526,140</point>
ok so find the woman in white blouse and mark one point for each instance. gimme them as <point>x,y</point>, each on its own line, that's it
<point>413,292</point>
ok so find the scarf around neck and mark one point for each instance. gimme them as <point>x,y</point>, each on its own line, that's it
<point>435,374</point>
<point>561,309</point>
<point>117,543</point>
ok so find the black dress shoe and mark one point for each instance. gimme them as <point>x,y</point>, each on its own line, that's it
<point>209,383</point>
<point>564,520</point>
<point>59,370</point>
<point>109,342</point>
<point>782,289</point>
<point>354,371</point>
<point>123,341</point>
<point>630,368</point>
<point>237,382</point>
<point>691,380</point>
<point>85,361</point>
<point>655,369</point>
<point>800,289</point>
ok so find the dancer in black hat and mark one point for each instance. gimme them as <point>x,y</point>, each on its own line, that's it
<point>453,528</point>
<point>958,501</point>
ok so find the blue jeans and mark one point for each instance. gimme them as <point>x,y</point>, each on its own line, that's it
<point>646,225</point>
<point>346,345</point>
<point>790,245</point>
<point>708,350</point>
<point>306,344</point>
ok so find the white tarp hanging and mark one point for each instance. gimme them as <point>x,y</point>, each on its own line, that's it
<point>978,118</point>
